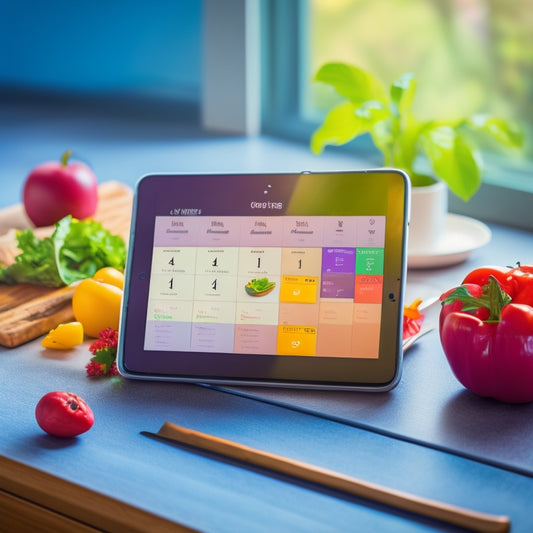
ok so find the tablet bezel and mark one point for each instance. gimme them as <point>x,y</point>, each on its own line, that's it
<point>383,192</point>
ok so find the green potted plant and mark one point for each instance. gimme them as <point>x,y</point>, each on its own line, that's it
<point>441,154</point>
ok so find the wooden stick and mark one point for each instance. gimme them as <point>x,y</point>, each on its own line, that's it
<point>472,520</point>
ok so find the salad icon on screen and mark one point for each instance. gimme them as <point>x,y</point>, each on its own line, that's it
<point>259,287</point>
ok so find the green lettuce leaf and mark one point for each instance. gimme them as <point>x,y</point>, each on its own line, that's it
<point>75,251</point>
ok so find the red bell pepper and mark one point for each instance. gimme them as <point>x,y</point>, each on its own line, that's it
<point>517,281</point>
<point>487,333</point>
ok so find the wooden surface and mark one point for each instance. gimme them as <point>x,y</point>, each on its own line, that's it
<point>28,311</point>
<point>466,518</point>
<point>32,500</point>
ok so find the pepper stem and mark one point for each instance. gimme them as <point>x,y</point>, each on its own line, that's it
<point>493,298</point>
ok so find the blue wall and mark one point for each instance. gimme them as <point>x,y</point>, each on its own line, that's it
<point>102,46</point>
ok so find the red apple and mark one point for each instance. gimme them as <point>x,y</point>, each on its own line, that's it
<point>63,414</point>
<point>56,189</point>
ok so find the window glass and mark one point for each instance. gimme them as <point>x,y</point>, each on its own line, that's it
<point>468,55</point>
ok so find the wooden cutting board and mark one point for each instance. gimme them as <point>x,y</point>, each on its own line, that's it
<point>29,311</point>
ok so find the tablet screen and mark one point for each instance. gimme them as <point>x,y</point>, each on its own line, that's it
<point>274,278</point>
<point>274,285</point>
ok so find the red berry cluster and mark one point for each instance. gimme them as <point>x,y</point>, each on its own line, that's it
<point>95,369</point>
<point>104,350</point>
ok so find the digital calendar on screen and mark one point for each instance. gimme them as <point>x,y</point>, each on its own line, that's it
<point>274,285</point>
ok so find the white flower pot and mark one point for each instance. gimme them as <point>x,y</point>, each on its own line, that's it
<point>429,209</point>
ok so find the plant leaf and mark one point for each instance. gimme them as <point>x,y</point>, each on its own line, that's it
<point>402,93</point>
<point>506,132</point>
<point>105,356</point>
<point>383,139</point>
<point>452,160</point>
<point>407,146</point>
<point>372,111</point>
<point>340,126</point>
<point>351,82</point>
<point>421,180</point>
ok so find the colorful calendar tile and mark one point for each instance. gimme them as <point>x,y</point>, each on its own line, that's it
<point>337,286</point>
<point>167,335</point>
<point>368,289</point>
<point>298,289</point>
<point>369,261</point>
<point>301,261</point>
<point>297,314</point>
<point>296,340</point>
<point>255,339</point>
<point>338,261</point>
<point>212,337</point>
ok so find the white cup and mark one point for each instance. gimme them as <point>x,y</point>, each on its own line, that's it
<point>429,209</point>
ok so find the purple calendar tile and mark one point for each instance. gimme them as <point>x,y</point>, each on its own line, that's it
<point>338,260</point>
<point>337,286</point>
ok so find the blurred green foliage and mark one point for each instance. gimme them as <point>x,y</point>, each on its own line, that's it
<point>446,148</point>
<point>469,55</point>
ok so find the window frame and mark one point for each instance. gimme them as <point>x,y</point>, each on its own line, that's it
<point>506,193</point>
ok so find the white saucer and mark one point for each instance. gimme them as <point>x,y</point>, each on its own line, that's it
<point>463,235</point>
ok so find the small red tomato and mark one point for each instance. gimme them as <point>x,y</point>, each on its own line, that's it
<point>63,414</point>
<point>56,189</point>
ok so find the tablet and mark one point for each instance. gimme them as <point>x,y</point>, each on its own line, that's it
<point>291,279</point>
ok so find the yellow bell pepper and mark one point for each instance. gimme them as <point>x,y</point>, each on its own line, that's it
<point>110,275</point>
<point>96,301</point>
<point>64,336</point>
